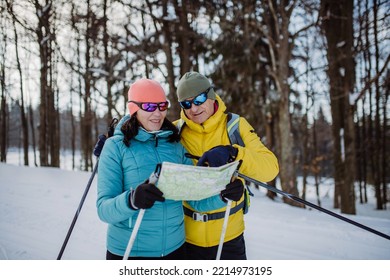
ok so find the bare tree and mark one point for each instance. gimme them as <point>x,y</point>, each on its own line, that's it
<point>3,106</point>
<point>337,23</point>
<point>86,28</point>
<point>48,120</point>
<point>385,143</point>
<point>21,80</point>
<point>280,43</point>
<point>371,98</point>
<point>32,127</point>
<point>167,27</point>
<point>378,129</point>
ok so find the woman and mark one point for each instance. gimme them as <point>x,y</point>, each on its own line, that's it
<point>141,140</point>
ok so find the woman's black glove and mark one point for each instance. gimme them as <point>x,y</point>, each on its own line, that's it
<point>233,191</point>
<point>218,156</point>
<point>144,196</point>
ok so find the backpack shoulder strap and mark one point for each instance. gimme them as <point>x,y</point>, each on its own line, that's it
<point>233,129</point>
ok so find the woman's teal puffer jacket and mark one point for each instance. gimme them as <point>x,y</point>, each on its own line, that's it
<point>122,169</point>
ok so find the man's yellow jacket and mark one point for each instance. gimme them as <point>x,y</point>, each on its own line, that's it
<point>258,162</point>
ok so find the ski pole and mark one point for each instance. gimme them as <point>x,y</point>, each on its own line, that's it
<point>224,228</point>
<point>97,150</point>
<point>152,180</point>
<point>78,210</point>
<point>302,201</point>
<point>225,222</point>
<point>134,234</point>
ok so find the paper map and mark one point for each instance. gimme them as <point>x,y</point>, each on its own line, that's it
<point>187,182</point>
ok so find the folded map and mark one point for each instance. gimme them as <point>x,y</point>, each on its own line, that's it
<point>187,182</point>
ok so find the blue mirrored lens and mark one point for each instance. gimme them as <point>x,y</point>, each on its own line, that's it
<point>198,100</point>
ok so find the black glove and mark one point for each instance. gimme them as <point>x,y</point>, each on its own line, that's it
<point>99,145</point>
<point>233,191</point>
<point>144,196</point>
<point>218,156</point>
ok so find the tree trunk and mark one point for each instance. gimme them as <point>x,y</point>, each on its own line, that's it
<point>43,39</point>
<point>378,132</point>
<point>23,117</point>
<point>87,118</point>
<point>385,166</point>
<point>287,171</point>
<point>73,131</point>
<point>316,163</point>
<point>270,131</point>
<point>3,124</point>
<point>3,107</point>
<point>364,156</point>
<point>305,155</point>
<point>173,113</point>
<point>280,73</point>
<point>184,33</point>
<point>337,24</point>
<point>32,127</point>
<point>108,65</point>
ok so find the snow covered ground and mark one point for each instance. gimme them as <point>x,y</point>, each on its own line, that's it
<point>37,206</point>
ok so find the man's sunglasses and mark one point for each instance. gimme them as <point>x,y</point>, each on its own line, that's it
<point>151,106</point>
<point>198,100</point>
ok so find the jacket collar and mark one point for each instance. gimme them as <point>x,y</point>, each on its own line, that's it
<point>144,135</point>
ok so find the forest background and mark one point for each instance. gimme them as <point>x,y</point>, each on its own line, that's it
<point>311,76</point>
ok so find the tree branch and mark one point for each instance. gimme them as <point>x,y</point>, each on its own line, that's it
<point>373,80</point>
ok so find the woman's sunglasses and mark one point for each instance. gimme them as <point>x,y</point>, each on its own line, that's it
<point>151,106</point>
<point>198,100</point>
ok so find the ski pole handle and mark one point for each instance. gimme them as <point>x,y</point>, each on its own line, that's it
<point>153,178</point>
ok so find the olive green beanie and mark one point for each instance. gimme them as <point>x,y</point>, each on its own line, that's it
<point>192,84</point>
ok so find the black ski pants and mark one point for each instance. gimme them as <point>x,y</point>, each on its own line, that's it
<point>178,254</point>
<point>231,250</point>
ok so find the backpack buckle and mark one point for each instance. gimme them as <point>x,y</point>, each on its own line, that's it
<point>199,217</point>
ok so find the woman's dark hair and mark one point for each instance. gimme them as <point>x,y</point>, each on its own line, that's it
<point>131,126</point>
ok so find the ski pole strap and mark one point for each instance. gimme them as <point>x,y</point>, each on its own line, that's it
<point>111,127</point>
<point>204,217</point>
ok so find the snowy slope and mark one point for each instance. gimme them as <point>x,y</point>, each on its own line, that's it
<point>37,206</point>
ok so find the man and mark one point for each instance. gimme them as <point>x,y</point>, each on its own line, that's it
<point>203,133</point>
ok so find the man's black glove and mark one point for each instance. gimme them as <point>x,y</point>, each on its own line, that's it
<point>144,196</point>
<point>218,156</point>
<point>99,145</point>
<point>233,191</point>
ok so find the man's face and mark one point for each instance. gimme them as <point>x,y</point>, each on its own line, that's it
<point>200,113</point>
